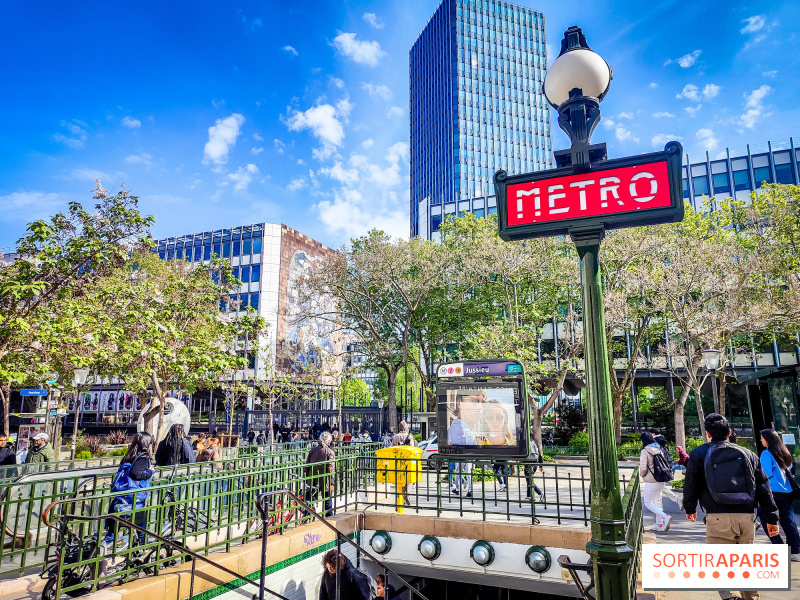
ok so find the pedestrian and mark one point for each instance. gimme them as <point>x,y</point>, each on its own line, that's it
<point>668,491</point>
<point>134,474</point>
<point>40,450</point>
<point>261,438</point>
<point>174,449</point>
<point>347,436</point>
<point>251,436</point>
<point>210,452</point>
<point>384,590</point>
<point>683,459</point>
<point>534,457</point>
<point>199,443</point>
<point>404,438</point>
<point>387,439</point>
<point>729,484</point>
<point>655,473</point>
<point>776,460</point>
<point>7,454</point>
<point>319,465</point>
<point>352,583</point>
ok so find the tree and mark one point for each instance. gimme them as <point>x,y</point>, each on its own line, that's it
<point>356,390</point>
<point>61,255</point>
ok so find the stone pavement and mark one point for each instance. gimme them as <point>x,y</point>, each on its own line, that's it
<point>684,531</point>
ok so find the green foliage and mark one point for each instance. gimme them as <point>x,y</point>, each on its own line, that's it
<point>548,458</point>
<point>117,452</point>
<point>692,443</point>
<point>579,443</point>
<point>354,390</point>
<point>678,485</point>
<point>83,454</point>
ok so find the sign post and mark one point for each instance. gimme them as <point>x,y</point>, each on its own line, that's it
<point>583,197</point>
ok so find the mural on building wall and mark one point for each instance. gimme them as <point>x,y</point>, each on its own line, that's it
<point>307,337</point>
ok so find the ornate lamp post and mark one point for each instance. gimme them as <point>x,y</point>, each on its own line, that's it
<point>711,363</point>
<point>575,85</point>
<point>80,374</point>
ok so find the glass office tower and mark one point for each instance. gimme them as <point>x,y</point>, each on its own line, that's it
<point>476,106</point>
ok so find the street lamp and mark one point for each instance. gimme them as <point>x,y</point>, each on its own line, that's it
<point>575,84</point>
<point>381,402</point>
<point>80,374</point>
<point>711,363</point>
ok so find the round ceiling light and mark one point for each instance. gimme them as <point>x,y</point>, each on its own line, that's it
<point>482,553</point>
<point>430,548</point>
<point>381,542</point>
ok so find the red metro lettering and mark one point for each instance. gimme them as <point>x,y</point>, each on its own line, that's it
<point>621,190</point>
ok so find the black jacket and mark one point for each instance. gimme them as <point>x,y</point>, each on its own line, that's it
<point>695,489</point>
<point>7,456</point>
<point>353,584</point>
<point>165,456</point>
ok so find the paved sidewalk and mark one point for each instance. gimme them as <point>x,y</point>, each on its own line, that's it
<point>684,531</point>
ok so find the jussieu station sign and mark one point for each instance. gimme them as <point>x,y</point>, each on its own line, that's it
<point>624,192</point>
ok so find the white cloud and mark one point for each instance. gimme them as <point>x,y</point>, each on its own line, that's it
<point>67,141</point>
<point>77,129</point>
<point>769,74</point>
<point>257,151</point>
<point>258,137</point>
<point>351,215</point>
<point>394,111</point>
<point>344,106</point>
<point>131,123</point>
<point>660,140</point>
<point>337,82</point>
<point>279,145</point>
<point>754,23</point>
<point>365,53</point>
<point>653,85</point>
<point>243,177</point>
<point>624,134</point>
<point>340,173</point>
<point>29,205</point>
<point>297,184</point>
<point>373,20</point>
<point>685,61</point>
<point>625,115</point>
<point>690,92</point>
<point>300,161</point>
<point>221,137</point>
<point>706,137</point>
<point>289,50</point>
<point>663,115</point>
<point>218,102</point>
<point>139,159</point>
<point>711,91</point>
<point>377,90</point>
<point>367,144</point>
<point>754,106</point>
<point>324,123</point>
<point>692,110</point>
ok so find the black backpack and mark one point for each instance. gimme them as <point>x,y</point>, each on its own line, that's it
<point>661,470</point>
<point>407,441</point>
<point>729,474</point>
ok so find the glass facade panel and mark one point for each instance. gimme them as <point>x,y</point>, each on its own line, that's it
<point>257,245</point>
<point>237,248</point>
<point>179,252</point>
<point>783,174</point>
<point>685,187</point>
<point>700,185</point>
<point>741,180</point>
<point>235,272</point>
<point>479,213</point>
<point>217,250</point>
<point>245,271</point>
<point>206,252</point>
<point>247,246</point>
<point>255,273</point>
<point>761,175</point>
<point>436,220</point>
<point>226,250</point>
<point>254,301</point>
<point>721,184</point>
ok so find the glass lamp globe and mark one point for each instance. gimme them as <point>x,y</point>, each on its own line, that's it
<point>381,542</point>
<point>482,553</point>
<point>428,549</point>
<point>537,559</point>
<point>577,68</point>
<point>711,359</point>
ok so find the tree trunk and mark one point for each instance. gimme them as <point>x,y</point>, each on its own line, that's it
<point>271,421</point>
<point>391,376</point>
<point>5,396</point>
<point>700,415</point>
<point>722,384</point>
<point>538,416</point>
<point>617,397</point>
<point>680,427</point>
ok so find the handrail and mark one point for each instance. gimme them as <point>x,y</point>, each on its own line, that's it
<point>324,521</point>
<point>180,547</point>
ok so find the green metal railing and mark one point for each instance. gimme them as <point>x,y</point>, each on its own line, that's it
<point>632,505</point>
<point>24,538</point>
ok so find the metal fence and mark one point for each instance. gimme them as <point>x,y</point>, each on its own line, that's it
<point>632,505</point>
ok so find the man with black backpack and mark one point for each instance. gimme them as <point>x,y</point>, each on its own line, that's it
<point>728,482</point>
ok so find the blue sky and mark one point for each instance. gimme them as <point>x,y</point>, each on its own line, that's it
<point>219,114</point>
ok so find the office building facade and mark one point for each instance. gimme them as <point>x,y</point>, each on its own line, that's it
<point>476,106</point>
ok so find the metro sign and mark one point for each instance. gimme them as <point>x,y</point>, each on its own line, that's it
<point>624,192</point>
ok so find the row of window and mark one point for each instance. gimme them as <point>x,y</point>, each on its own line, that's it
<point>243,300</point>
<point>204,252</point>
<point>436,220</point>
<point>247,273</point>
<point>721,183</point>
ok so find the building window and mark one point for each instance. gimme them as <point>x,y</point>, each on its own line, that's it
<point>492,210</point>
<point>761,175</point>
<point>245,274</point>
<point>170,254</point>
<point>257,245</point>
<point>741,180</point>
<point>198,252</point>
<point>783,173</point>
<point>162,255</point>
<point>700,185</point>
<point>685,187</point>
<point>721,184</point>
<point>179,252</point>
<point>479,213</point>
<point>217,250</point>
<point>235,272</point>
<point>436,220</point>
<point>206,252</point>
<point>247,246</point>
<point>254,301</point>
<point>237,248</point>
<point>255,273</point>
<point>226,250</point>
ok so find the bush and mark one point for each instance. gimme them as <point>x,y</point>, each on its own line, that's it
<point>117,437</point>
<point>692,443</point>
<point>678,485</point>
<point>83,454</point>
<point>579,443</point>
<point>118,452</point>
<point>93,445</point>
<point>629,448</point>
<point>548,458</point>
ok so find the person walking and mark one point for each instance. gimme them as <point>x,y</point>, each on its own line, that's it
<point>133,475</point>
<point>776,460</point>
<point>8,456</point>
<point>40,450</point>
<point>668,491</point>
<point>729,507</point>
<point>251,436</point>
<point>319,466</point>
<point>261,438</point>
<point>652,467</point>
<point>535,457</point>
<point>353,584</point>
<point>174,449</point>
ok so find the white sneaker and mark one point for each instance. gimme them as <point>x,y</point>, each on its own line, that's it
<point>680,504</point>
<point>665,526</point>
<point>657,527</point>
<point>796,557</point>
<point>502,488</point>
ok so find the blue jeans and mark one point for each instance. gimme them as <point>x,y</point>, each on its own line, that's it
<point>787,521</point>
<point>500,471</point>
